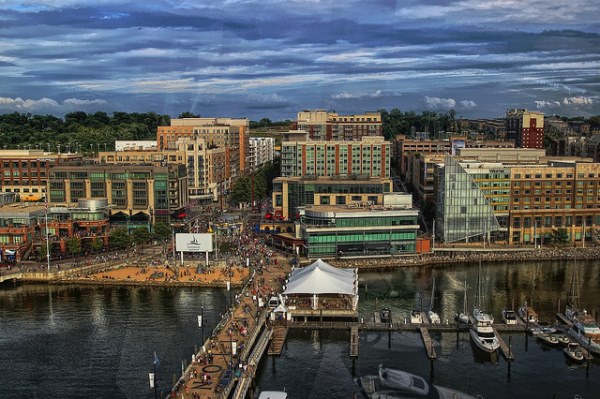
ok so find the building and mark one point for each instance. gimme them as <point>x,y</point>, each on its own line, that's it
<point>122,145</point>
<point>525,127</point>
<point>292,193</point>
<point>517,203</point>
<point>262,151</point>
<point>25,172</point>
<point>228,133</point>
<point>369,157</point>
<point>19,224</point>
<point>324,125</point>
<point>358,230</point>
<point>137,195</point>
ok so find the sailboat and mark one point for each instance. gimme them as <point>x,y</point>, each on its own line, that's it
<point>433,317</point>
<point>463,317</point>
<point>482,333</point>
<point>527,313</point>
<point>584,329</point>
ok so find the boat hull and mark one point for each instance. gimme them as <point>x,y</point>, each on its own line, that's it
<point>481,343</point>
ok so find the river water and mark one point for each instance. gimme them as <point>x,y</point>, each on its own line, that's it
<point>98,342</point>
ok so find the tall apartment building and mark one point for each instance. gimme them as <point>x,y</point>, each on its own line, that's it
<point>262,151</point>
<point>324,125</point>
<point>25,172</point>
<point>229,133</point>
<point>369,157</point>
<point>525,127</point>
<point>136,194</point>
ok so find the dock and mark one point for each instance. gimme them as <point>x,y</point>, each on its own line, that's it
<point>428,342</point>
<point>278,340</point>
<point>354,341</point>
<point>504,348</point>
<point>376,317</point>
<point>563,319</point>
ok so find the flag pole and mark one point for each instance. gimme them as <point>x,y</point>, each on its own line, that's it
<point>47,232</point>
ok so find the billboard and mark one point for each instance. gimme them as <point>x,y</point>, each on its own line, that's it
<point>198,242</point>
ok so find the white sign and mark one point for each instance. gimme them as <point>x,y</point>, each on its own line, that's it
<point>233,348</point>
<point>199,321</point>
<point>198,242</point>
<point>151,376</point>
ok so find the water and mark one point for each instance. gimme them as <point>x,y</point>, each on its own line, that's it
<point>95,342</point>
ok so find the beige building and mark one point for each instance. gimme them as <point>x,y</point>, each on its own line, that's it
<point>324,125</point>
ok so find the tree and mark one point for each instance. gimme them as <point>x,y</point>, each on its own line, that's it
<point>42,250</point>
<point>560,236</point>
<point>73,246</point>
<point>188,114</point>
<point>119,238</point>
<point>97,244</point>
<point>162,231</point>
<point>141,235</point>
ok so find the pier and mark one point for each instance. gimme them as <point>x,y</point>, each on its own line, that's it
<point>278,339</point>
<point>354,341</point>
<point>505,349</point>
<point>427,341</point>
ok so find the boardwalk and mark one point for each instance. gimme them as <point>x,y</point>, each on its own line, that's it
<point>505,349</point>
<point>278,340</point>
<point>428,342</point>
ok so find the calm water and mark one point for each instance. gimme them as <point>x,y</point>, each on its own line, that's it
<point>94,342</point>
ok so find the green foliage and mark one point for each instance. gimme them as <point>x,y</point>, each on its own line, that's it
<point>73,246</point>
<point>397,122</point>
<point>161,231</point>
<point>141,235</point>
<point>242,190</point>
<point>560,236</point>
<point>188,114</point>
<point>41,252</point>
<point>78,130</point>
<point>266,122</point>
<point>119,238</point>
<point>97,244</point>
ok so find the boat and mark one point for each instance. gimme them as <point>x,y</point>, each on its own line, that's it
<point>273,395</point>
<point>386,315</point>
<point>463,317</point>
<point>574,353</point>
<point>433,317</point>
<point>392,383</point>
<point>548,339</point>
<point>583,328</point>
<point>509,316</point>
<point>563,339</point>
<point>416,317</point>
<point>528,315</point>
<point>482,334</point>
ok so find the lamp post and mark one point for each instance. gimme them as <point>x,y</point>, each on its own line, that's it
<point>201,324</point>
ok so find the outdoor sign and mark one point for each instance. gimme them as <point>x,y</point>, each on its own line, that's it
<point>197,242</point>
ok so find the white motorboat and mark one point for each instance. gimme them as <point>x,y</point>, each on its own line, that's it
<point>548,339</point>
<point>385,315</point>
<point>574,353</point>
<point>482,333</point>
<point>509,316</point>
<point>485,338</point>
<point>393,383</point>
<point>528,315</point>
<point>416,317</point>
<point>272,395</point>
<point>433,317</point>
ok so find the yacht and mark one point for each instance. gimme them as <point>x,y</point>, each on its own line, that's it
<point>416,317</point>
<point>393,383</point>
<point>385,315</point>
<point>574,353</point>
<point>433,317</point>
<point>584,328</point>
<point>509,316</point>
<point>528,315</point>
<point>482,333</point>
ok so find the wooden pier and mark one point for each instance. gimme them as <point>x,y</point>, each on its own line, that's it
<point>563,319</point>
<point>504,348</point>
<point>428,342</point>
<point>278,340</point>
<point>354,341</point>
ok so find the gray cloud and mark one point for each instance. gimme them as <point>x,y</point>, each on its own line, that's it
<point>275,55</point>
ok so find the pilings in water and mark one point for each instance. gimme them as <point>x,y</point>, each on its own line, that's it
<point>354,341</point>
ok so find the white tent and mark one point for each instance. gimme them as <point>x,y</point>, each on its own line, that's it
<point>321,278</point>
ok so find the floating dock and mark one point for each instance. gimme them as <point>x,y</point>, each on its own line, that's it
<point>278,340</point>
<point>354,341</point>
<point>428,342</point>
<point>504,348</point>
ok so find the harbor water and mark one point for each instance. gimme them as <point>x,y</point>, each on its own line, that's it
<point>97,342</point>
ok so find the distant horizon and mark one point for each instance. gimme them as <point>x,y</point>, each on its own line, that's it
<point>271,58</point>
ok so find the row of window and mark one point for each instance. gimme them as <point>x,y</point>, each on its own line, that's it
<point>555,221</point>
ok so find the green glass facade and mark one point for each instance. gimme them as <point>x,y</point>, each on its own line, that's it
<point>362,233</point>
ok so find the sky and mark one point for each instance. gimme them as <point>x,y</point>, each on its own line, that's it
<point>272,58</point>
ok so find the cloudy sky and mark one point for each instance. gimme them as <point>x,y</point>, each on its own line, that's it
<point>272,58</point>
